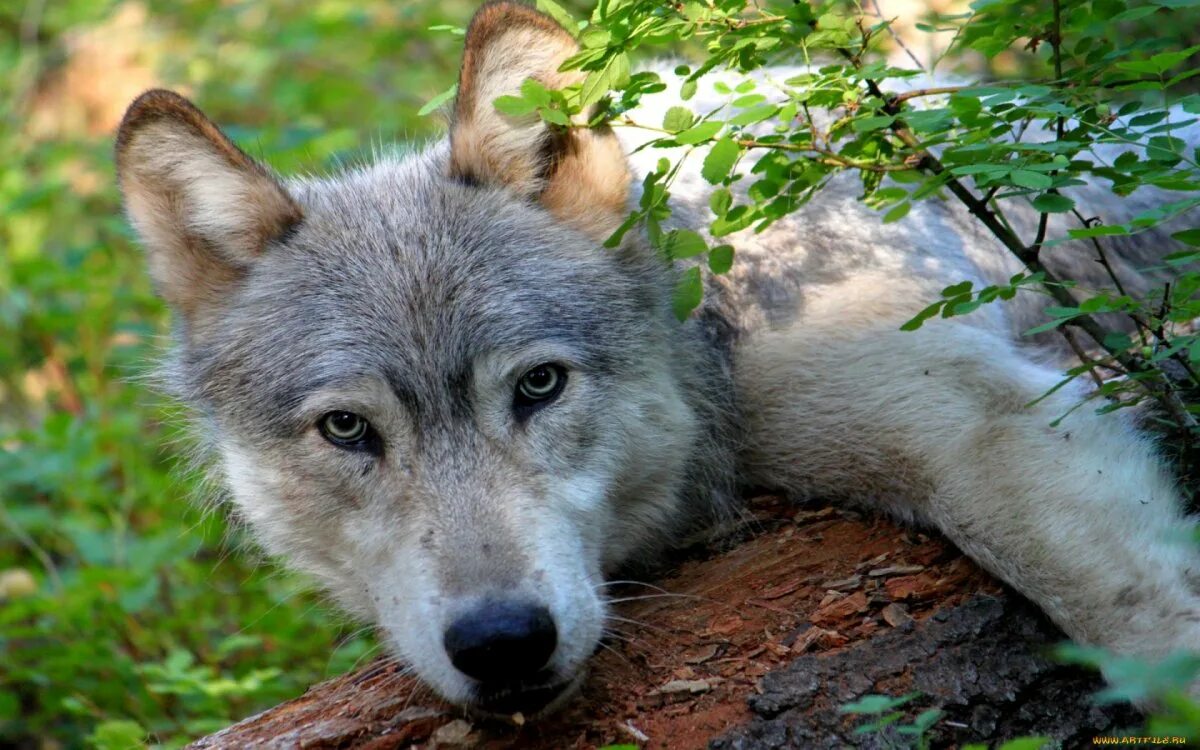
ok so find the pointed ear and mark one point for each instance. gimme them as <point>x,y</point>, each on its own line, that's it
<point>203,208</point>
<point>580,175</point>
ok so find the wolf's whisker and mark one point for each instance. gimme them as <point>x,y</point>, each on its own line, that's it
<point>637,623</point>
<point>653,596</point>
<point>612,650</point>
<point>618,635</point>
<point>629,583</point>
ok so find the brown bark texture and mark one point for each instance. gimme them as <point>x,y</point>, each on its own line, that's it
<point>757,641</point>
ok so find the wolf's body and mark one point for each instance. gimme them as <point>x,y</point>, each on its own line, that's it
<point>934,426</point>
<point>422,291</point>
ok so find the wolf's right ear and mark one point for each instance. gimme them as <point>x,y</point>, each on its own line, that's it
<point>578,174</point>
<point>203,208</point>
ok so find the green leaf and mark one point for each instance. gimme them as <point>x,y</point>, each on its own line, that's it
<point>1062,312</point>
<point>959,289</point>
<point>1133,14</point>
<point>699,133</point>
<point>533,91</point>
<point>897,212</point>
<point>922,316</point>
<point>832,21</point>
<point>554,116</point>
<point>594,37</point>
<point>1167,60</point>
<point>1188,237</point>
<point>1117,341</point>
<point>1182,258</point>
<point>614,74</point>
<point>1053,203</point>
<point>1048,326</point>
<point>118,735</point>
<point>720,160</point>
<point>560,14</point>
<point>876,704</point>
<point>953,307</point>
<point>438,101</point>
<point>683,243</point>
<point>720,201</point>
<point>1149,118</point>
<point>1033,180</point>
<point>514,106</point>
<point>987,169</point>
<point>889,194</point>
<point>925,720</point>
<point>720,259</point>
<point>677,119</point>
<point>749,100</point>
<point>754,115</point>
<point>630,222</point>
<point>688,293</point>
<point>1100,230</point>
<point>879,122</point>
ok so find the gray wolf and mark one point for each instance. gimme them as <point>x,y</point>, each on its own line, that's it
<point>425,383</point>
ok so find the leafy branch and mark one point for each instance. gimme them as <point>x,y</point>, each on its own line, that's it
<point>983,145</point>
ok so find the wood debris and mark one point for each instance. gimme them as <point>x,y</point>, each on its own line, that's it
<point>895,615</point>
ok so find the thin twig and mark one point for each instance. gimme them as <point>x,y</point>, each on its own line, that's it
<point>931,91</point>
<point>1069,334</point>
<point>896,37</point>
<point>1153,382</point>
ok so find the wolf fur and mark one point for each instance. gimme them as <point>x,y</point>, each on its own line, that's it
<point>416,291</point>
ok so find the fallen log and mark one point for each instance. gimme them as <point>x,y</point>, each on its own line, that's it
<point>756,641</point>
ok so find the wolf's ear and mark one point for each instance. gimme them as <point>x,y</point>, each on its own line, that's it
<point>580,175</point>
<point>203,208</point>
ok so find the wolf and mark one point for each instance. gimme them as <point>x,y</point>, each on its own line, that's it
<point>425,383</point>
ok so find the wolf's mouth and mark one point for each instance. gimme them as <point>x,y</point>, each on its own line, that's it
<point>529,699</point>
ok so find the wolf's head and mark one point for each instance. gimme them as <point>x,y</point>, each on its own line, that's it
<point>425,382</point>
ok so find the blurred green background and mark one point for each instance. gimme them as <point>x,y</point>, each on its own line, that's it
<point>121,602</point>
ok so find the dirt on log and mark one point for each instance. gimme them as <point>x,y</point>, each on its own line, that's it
<point>756,642</point>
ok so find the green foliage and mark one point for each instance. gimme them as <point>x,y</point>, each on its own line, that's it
<point>1092,77</point>
<point>1164,683</point>
<point>891,731</point>
<point>962,298</point>
<point>887,721</point>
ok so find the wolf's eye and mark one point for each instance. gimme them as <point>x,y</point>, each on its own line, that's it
<point>540,385</point>
<point>345,429</point>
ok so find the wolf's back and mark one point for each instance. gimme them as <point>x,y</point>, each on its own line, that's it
<point>836,235</point>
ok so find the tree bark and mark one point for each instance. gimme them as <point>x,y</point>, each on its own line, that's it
<point>756,641</point>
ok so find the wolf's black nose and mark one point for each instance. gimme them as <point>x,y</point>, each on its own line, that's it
<point>501,641</point>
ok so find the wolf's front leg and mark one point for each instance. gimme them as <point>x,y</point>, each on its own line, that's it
<point>934,426</point>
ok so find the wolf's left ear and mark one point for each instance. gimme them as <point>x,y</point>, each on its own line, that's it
<point>205,210</point>
<point>580,175</point>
